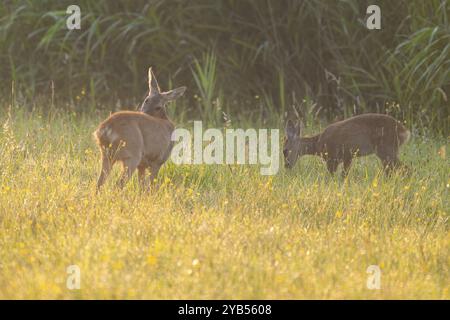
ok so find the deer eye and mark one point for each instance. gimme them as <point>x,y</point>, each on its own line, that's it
<point>285,152</point>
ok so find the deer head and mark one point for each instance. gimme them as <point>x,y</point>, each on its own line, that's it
<point>155,103</point>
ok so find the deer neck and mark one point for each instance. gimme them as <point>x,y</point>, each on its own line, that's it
<point>162,115</point>
<point>309,145</point>
<point>169,123</point>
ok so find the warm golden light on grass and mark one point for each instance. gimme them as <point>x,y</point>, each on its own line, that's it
<point>214,231</point>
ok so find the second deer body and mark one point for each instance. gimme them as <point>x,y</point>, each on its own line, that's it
<point>341,141</point>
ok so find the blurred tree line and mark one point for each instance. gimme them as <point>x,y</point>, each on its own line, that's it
<point>245,55</point>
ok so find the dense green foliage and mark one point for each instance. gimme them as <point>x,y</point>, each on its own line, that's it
<point>228,52</point>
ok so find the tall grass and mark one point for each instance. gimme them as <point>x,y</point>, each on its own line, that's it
<point>283,52</point>
<point>214,232</point>
<point>204,73</point>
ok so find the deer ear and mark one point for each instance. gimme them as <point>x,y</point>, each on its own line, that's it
<point>291,129</point>
<point>153,86</point>
<point>174,94</point>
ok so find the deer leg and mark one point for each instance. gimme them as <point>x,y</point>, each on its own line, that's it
<point>332,165</point>
<point>141,176</point>
<point>347,163</point>
<point>388,166</point>
<point>104,172</point>
<point>129,165</point>
<point>389,159</point>
<point>389,163</point>
<point>154,169</point>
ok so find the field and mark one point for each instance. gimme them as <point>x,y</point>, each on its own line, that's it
<point>215,232</point>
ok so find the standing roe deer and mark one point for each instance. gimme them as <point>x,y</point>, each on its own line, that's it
<point>341,141</point>
<point>139,140</point>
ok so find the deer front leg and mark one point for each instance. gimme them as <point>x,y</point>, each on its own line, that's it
<point>389,164</point>
<point>332,165</point>
<point>389,158</point>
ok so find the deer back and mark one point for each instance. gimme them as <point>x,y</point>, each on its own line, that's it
<point>129,133</point>
<point>363,134</point>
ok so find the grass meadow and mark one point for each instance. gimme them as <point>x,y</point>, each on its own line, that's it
<point>215,231</point>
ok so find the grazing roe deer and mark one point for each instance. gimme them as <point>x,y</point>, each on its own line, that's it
<point>139,140</point>
<point>341,141</point>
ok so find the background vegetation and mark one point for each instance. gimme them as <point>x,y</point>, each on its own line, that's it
<point>245,58</point>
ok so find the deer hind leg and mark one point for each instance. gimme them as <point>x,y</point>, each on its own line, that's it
<point>105,170</point>
<point>141,175</point>
<point>129,166</point>
<point>154,169</point>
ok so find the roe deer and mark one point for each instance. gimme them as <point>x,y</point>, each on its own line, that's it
<point>341,141</point>
<point>139,140</point>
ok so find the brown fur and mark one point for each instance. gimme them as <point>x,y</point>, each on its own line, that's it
<point>139,140</point>
<point>354,137</point>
